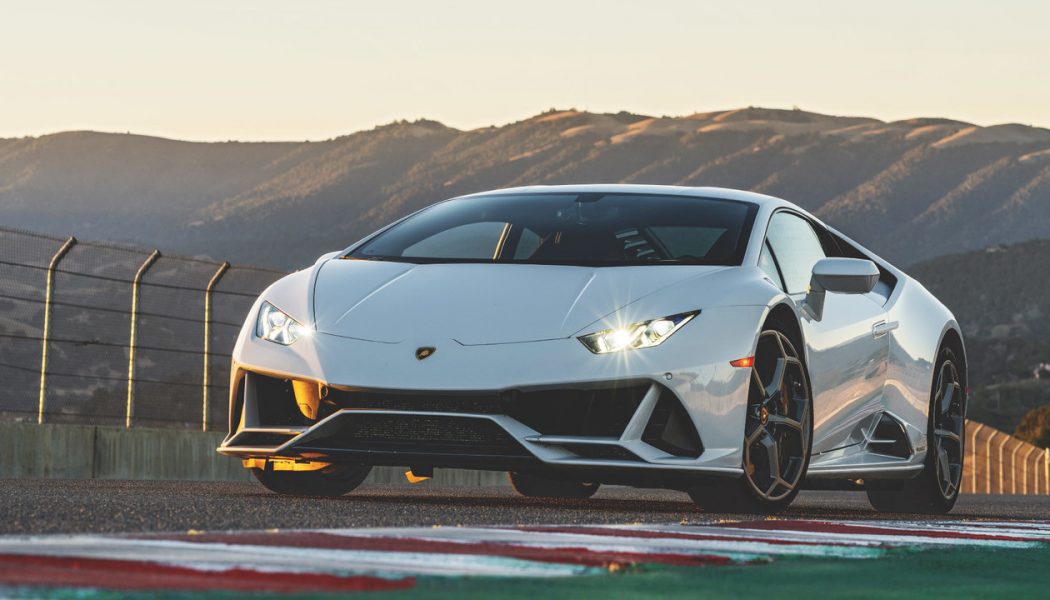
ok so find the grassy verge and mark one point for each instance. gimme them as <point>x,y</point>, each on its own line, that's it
<point>957,573</point>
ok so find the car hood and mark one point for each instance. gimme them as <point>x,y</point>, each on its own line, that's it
<point>478,304</point>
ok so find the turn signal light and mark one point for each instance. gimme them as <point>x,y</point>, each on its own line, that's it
<point>745,363</point>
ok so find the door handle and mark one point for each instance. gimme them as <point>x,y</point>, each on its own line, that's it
<point>882,328</point>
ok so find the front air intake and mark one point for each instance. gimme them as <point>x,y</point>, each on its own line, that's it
<point>670,429</point>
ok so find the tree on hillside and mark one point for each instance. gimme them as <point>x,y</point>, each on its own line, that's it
<point>1034,427</point>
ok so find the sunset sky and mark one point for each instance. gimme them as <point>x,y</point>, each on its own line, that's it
<point>293,70</point>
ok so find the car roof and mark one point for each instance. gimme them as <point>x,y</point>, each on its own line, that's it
<point>625,188</point>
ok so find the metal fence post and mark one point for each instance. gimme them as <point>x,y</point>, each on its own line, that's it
<point>1013,468</point>
<point>152,258</point>
<point>69,243</point>
<point>1024,470</point>
<point>973,455</point>
<point>988,463</point>
<point>1002,470</point>
<point>207,341</point>
<point>1035,476</point>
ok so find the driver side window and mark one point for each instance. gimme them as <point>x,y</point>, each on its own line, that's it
<point>796,248</point>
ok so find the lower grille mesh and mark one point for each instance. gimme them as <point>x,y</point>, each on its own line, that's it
<point>414,433</point>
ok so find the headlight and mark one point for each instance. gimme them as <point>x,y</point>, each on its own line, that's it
<point>275,326</point>
<point>638,335</point>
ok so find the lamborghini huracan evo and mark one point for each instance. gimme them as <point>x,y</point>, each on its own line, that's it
<point>724,343</point>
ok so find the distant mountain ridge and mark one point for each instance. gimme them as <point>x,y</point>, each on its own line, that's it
<point>910,190</point>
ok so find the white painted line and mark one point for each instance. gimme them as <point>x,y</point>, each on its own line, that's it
<point>285,559</point>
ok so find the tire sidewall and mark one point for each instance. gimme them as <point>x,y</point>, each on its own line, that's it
<point>762,504</point>
<point>930,468</point>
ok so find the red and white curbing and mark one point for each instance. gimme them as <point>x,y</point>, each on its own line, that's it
<point>377,559</point>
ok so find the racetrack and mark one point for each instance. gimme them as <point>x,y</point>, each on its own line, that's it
<point>105,539</point>
<point>63,506</point>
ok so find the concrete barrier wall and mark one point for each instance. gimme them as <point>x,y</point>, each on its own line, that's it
<point>95,452</point>
<point>996,463</point>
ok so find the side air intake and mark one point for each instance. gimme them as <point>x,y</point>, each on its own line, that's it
<point>889,438</point>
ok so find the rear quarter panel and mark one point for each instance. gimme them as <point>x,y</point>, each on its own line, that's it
<point>923,322</point>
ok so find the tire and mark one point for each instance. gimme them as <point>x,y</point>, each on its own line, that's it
<point>332,481</point>
<point>778,434</point>
<point>535,486</point>
<point>935,490</point>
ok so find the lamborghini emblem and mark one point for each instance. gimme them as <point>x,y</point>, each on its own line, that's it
<point>425,352</point>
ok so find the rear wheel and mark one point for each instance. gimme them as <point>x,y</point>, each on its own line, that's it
<point>331,481</point>
<point>777,434</point>
<point>936,489</point>
<point>535,486</point>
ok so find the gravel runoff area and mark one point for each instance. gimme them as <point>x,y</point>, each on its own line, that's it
<point>71,506</point>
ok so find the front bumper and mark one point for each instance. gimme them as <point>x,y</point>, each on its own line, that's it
<point>616,425</point>
<point>385,407</point>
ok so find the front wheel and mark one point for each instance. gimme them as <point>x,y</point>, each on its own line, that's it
<point>331,481</point>
<point>936,489</point>
<point>778,434</point>
<point>535,486</point>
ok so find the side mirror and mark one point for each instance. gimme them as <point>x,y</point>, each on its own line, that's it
<point>841,276</point>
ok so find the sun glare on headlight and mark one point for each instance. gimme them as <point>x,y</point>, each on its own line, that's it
<point>637,335</point>
<point>275,326</point>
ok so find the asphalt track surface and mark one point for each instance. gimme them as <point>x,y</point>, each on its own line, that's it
<point>94,506</point>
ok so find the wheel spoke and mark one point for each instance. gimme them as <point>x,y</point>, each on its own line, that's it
<point>773,389</point>
<point>772,455</point>
<point>754,435</point>
<point>946,434</point>
<point>944,468</point>
<point>780,481</point>
<point>803,420</point>
<point>956,473</point>
<point>780,343</point>
<point>782,420</point>
<point>947,395</point>
<point>757,380</point>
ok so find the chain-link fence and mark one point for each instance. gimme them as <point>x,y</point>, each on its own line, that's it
<point>110,335</point>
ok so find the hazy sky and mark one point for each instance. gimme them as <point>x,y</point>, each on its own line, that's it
<point>313,69</point>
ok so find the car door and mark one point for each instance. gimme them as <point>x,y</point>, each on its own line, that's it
<point>847,353</point>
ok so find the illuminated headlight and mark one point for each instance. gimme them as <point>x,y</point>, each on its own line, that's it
<point>275,326</point>
<point>637,335</point>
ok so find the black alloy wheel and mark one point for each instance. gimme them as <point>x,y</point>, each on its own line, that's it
<point>936,489</point>
<point>777,434</point>
<point>948,426</point>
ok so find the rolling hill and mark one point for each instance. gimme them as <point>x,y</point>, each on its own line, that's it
<point>910,190</point>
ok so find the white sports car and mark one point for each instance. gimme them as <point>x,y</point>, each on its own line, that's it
<point>720,342</point>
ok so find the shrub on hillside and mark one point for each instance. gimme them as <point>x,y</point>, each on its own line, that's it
<point>1034,427</point>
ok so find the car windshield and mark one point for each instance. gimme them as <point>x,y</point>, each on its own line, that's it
<point>592,229</point>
